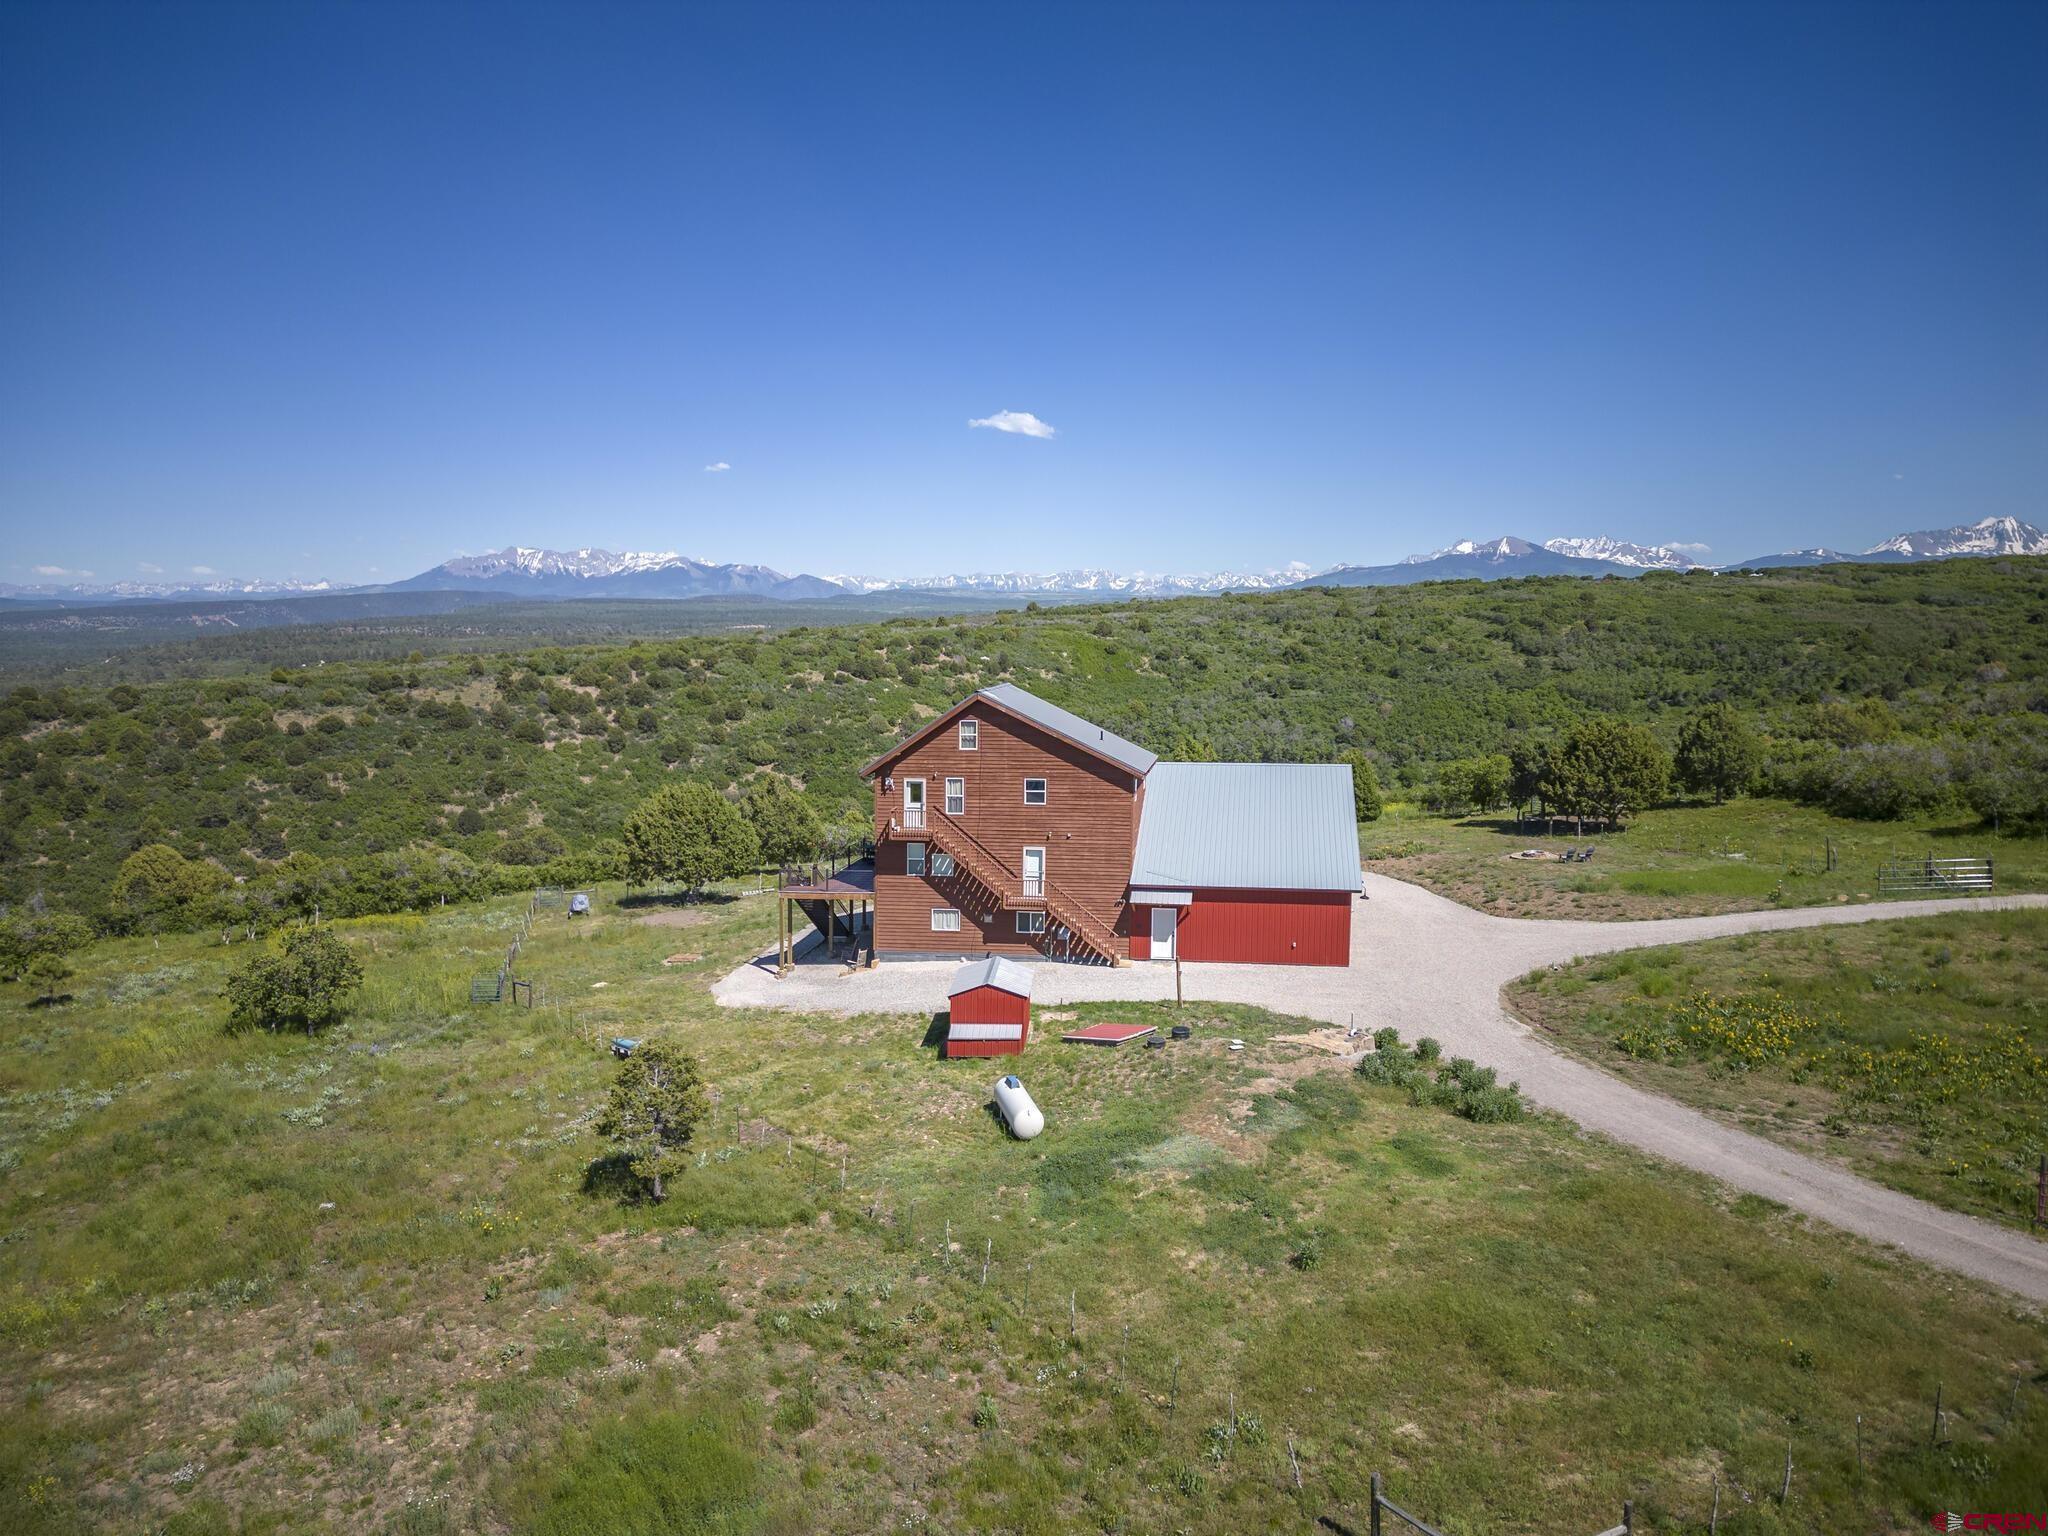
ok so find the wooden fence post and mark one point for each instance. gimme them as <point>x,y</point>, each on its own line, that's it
<point>1375,1504</point>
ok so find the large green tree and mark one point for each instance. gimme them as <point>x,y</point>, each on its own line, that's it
<point>690,834</point>
<point>1365,786</point>
<point>158,883</point>
<point>784,824</point>
<point>24,936</point>
<point>1718,754</point>
<point>655,1104</point>
<point>306,985</point>
<point>1605,768</point>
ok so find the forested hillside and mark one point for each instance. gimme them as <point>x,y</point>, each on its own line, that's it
<point>395,783</point>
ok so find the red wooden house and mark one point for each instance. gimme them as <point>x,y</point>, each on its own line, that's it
<point>1009,826</point>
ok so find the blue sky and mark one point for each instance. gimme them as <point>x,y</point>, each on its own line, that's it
<point>342,290</point>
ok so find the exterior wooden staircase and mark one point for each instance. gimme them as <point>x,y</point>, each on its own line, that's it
<point>979,872</point>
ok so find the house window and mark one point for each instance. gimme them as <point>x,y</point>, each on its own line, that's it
<point>1031,922</point>
<point>970,735</point>
<point>945,919</point>
<point>913,858</point>
<point>956,797</point>
<point>942,865</point>
<point>1034,791</point>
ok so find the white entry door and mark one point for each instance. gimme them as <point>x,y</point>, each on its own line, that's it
<point>913,803</point>
<point>1163,921</point>
<point>1034,871</point>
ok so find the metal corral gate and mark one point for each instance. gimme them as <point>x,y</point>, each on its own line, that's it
<point>1382,1504</point>
<point>1935,875</point>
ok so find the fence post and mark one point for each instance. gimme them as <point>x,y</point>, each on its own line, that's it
<point>2041,1193</point>
<point>1934,1433</point>
<point>1714,1519</point>
<point>1628,1516</point>
<point>1375,1504</point>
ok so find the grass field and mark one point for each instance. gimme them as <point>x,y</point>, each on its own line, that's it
<point>383,1280</point>
<point>1916,1052</point>
<point>1680,861</point>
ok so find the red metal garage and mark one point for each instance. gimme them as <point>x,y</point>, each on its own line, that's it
<point>1253,927</point>
<point>989,1009</point>
<point>1255,863</point>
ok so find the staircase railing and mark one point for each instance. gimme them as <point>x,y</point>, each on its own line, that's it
<point>1073,913</point>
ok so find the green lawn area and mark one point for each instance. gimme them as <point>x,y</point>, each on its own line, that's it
<point>1681,860</point>
<point>379,1281</point>
<point>1914,1051</point>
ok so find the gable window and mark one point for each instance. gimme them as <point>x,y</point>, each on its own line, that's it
<point>945,919</point>
<point>942,865</point>
<point>1034,791</point>
<point>956,797</point>
<point>1031,922</point>
<point>913,858</point>
<point>970,735</point>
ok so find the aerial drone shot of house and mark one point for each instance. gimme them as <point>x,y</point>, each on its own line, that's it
<point>1009,826</point>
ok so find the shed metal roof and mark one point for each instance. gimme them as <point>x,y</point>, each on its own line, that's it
<point>1005,975</point>
<point>1248,826</point>
<point>1064,722</point>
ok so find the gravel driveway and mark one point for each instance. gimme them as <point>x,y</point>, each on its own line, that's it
<point>1429,966</point>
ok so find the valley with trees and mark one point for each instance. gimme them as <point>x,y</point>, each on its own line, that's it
<point>302,1238</point>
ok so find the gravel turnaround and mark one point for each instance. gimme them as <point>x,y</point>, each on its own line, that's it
<point>1429,966</point>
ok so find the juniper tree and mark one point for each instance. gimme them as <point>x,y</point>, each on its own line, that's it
<point>655,1104</point>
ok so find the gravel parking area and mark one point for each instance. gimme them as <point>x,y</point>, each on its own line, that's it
<point>1428,966</point>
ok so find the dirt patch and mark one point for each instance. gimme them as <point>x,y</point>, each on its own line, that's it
<point>682,957</point>
<point>676,918</point>
<point>1333,1040</point>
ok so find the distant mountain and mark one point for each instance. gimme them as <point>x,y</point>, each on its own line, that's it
<point>96,594</point>
<point>1819,555</point>
<point>519,572</point>
<point>1469,559</point>
<point>1104,583</point>
<point>1992,536</point>
<point>1642,557</point>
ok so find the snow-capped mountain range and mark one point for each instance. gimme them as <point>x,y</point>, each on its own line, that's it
<point>520,571</point>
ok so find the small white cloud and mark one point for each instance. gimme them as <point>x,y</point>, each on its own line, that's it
<point>1692,549</point>
<point>1022,423</point>
<point>149,568</point>
<point>51,570</point>
<point>204,570</point>
<point>717,469</point>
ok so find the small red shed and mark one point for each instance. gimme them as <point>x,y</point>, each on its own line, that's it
<point>989,1009</point>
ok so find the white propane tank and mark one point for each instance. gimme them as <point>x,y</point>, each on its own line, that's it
<point>1017,1110</point>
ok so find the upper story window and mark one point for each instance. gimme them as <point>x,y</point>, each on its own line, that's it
<point>913,858</point>
<point>970,735</point>
<point>942,865</point>
<point>956,797</point>
<point>1034,791</point>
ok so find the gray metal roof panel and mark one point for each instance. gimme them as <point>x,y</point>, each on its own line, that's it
<point>995,971</point>
<point>1248,826</point>
<point>1063,722</point>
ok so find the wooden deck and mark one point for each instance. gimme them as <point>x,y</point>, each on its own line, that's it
<point>854,883</point>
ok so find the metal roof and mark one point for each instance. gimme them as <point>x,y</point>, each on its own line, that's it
<point>995,971</point>
<point>1061,722</point>
<point>1248,826</point>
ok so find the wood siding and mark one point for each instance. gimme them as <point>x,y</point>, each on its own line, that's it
<point>1088,828</point>
<point>1258,928</point>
